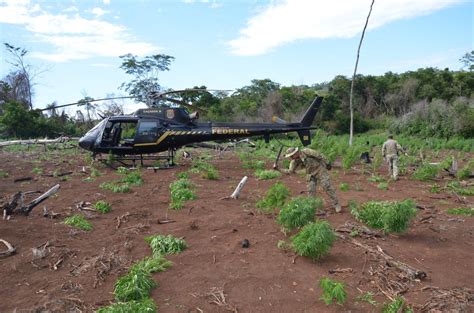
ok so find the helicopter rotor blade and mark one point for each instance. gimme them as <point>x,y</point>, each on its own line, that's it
<point>184,104</point>
<point>157,95</point>
<point>79,103</point>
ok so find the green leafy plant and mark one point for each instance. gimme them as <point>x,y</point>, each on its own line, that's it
<point>115,187</point>
<point>145,305</point>
<point>298,212</point>
<point>333,291</point>
<point>37,170</point>
<point>314,240</point>
<point>376,179</point>
<point>462,211</point>
<point>435,188</point>
<point>78,221</point>
<point>157,263</point>
<point>95,172</point>
<point>344,187</point>
<point>88,179</point>
<point>396,306</point>
<point>274,198</point>
<point>181,191</point>
<point>425,172</point>
<point>102,206</point>
<point>391,216</point>
<point>456,187</point>
<point>134,286</point>
<point>267,174</point>
<point>3,174</point>
<point>283,245</point>
<point>162,245</point>
<point>182,175</point>
<point>383,186</point>
<point>367,297</point>
<point>207,170</point>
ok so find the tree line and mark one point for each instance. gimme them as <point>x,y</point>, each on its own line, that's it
<point>426,102</point>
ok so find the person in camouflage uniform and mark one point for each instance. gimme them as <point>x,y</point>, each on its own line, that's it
<point>316,166</point>
<point>390,151</point>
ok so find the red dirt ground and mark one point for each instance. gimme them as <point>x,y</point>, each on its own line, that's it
<point>261,278</point>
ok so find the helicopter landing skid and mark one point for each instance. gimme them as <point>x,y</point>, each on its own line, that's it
<point>124,160</point>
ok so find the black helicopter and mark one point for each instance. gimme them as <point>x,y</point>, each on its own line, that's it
<point>167,128</point>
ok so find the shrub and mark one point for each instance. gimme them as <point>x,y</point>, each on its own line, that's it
<point>344,187</point>
<point>274,198</point>
<point>389,216</point>
<point>314,240</point>
<point>298,212</point>
<point>180,192</point>
<point>161,245</point>
<point>332,291</point>
<point>145,305</point>
<point>134,286</point>
<point>267,174</point>
<point>78,221</point>
<point>425,172</point>
<point>102,206</point>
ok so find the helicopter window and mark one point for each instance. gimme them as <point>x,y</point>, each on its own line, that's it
<point>119,134</point>
<point>147,129</point>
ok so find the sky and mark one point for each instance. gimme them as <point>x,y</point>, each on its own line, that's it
<point>74,45</point>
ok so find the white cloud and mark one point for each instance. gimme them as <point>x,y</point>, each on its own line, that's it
<point>71,36</point>
<point>106,2</point>
<point>99,12</point>
<point>283,22</point>
<point>213,4</point>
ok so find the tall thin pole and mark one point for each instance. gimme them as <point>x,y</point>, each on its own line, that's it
<point>353,76</point>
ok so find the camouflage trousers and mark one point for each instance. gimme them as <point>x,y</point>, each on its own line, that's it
<point>325,182</point>
<point>392,160</point>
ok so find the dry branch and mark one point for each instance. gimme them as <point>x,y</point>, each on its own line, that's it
<point>410,271</point>
<point>34,141</point>
<point>236,193</point>
<point>16,204</point>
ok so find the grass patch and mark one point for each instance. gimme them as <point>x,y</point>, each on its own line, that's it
<point>103,206</point>
<point>157,263</point>
<point>462,211</point>
<point>344,187</point>
<point>88,179</point>
<point>207,170</point>
<point>131,178</point>
<point>333,291</point>
<point>145,305</point>
<point>162,245</point>
<point>314,240</point>
<point>456,187</point>
<point>78,221</point>
<point>275,197</point>
<point>181,191</point>
<point>391,216</point>
<point>182,175</point>
<point>115,187</point>
<point>298,212</point>
<point>3,174</point>
<point>267,174</point>
<point>383,186</point>
<point>37,170</point>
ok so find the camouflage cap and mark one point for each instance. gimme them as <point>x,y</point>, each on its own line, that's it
<point>290,152</point>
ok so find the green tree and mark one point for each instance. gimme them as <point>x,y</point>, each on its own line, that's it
<point>145,73</point>
<point>468,60</point>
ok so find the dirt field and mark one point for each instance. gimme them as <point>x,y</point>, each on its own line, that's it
<point>79,269</point>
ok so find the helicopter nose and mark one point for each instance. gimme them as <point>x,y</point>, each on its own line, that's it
<point>86,142</point>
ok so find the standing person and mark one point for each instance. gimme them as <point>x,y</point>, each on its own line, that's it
<point>390,150</point>
<point>316,166</point>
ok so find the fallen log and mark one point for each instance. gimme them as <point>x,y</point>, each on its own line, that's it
<point>410,271</point>
<point>17,180</point>
<point>10,249</point>
<point>34,141</point>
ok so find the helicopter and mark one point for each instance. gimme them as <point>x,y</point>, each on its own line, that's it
<point>168,127</point>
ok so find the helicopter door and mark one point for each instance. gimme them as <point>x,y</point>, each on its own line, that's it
<point>119,134</point>
<point>147,132</point>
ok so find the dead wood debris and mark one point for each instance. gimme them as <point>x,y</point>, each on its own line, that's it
<point>390,283</point>
<point>449,300</point>
<point>124,218</point>
<point>10,249</point>
<point>359,230</point>
<point>340,270</point>
<point>17,206</point>
<point>217,296</point>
